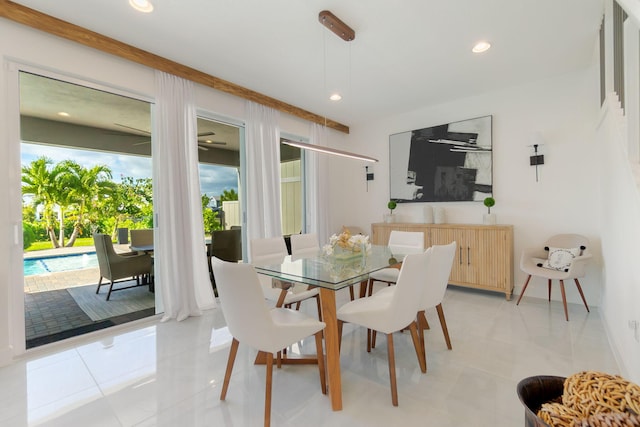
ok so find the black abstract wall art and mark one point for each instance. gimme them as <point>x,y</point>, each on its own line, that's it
<point>444,163</point>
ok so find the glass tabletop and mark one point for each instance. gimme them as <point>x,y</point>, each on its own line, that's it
<point>332,272</point>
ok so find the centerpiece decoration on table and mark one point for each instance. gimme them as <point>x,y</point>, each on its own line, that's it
<point>347,246</point>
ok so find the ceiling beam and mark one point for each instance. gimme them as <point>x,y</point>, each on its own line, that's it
<point>49,24</point>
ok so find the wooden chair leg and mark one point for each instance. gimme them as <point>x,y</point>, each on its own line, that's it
<point>351,295</point>
<point>374,335</point>
<point>363,288</point>
<point>279,359</point>
<point>420,351</point>
<point>564,300</point>
<point>582,295</point>
<point>549,286</point>
<point>340,324</point>
<point>368,340</point>
<point>443,323</point>
<point>230,361</point>
<point>319,308</point>
<point>524,288</point>
<point>321,365</point>
<point>392,370</point>
<point>370,287</point>
<point>267,394</point>
<point>420,319</point>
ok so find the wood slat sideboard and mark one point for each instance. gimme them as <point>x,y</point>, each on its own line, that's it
<point>484,257</point>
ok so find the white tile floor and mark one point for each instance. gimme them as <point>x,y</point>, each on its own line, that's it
<point>170,374</point>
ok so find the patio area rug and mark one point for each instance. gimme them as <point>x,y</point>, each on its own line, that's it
<point>122,302</point>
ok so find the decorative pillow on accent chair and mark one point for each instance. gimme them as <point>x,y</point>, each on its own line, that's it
<point>560,258</point>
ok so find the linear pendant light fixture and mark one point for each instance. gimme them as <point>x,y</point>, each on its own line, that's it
<point>327,150</point>
<point>347,34</point>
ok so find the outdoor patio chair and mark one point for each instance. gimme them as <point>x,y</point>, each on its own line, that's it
<point>115,266</point>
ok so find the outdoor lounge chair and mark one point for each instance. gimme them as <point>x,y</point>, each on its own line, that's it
<point>115,266</point>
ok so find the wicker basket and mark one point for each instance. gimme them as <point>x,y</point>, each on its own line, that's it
<point>534,391</point>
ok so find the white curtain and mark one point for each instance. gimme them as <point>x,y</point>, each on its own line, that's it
<point>179,243</point>
<point>316,186</point>
<point>263,172</point>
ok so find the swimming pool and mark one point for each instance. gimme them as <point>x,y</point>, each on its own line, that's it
<point>54,264</point>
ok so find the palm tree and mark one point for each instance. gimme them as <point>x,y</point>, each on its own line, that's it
<point>228,195</point>
<point>40,181</point>
<point>86,187</point>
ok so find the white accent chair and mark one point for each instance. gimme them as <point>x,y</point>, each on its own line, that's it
<point>400,242</point>
<point>532,261</point>
<point>251,322</point>
<point>392,314</point>
<point>274,249</point>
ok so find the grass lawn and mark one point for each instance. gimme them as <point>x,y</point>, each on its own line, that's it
<point>39,246</point>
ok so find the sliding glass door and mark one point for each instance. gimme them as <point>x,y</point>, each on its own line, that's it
<point>86,168</point>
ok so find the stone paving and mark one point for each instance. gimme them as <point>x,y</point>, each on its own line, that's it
<point>49,308</point>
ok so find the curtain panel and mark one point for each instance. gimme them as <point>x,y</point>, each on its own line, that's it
<point>316,186</point>
<point>179,249</point>
<point>263,172</point>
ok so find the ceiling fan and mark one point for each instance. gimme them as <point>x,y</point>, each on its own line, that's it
<point>203,142</point>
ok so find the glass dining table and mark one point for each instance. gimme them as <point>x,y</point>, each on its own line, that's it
<point>330,274</point>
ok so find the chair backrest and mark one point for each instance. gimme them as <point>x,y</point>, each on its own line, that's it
<point>568,241</point>
<point>437,278</point>
<point>143,237</point>
<point>227,245</point>
<point>267,248</point>
<point>406,242</point>
<point>243,305</point>
<point>104,252</point>
<point>304,244</point>
<point>409,288</point>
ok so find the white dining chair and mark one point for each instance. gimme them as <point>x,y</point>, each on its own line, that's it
<point>251,322</point>
<point>391,314</point>
<point>274,250</point>
<point>435,286</point>
<point>400,242</point>
<point>304,244</point>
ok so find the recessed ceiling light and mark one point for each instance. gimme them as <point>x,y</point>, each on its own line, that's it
<point>335,97</point>
<point>63,114</point>
<point>481,47</point>
<point>141,5</point>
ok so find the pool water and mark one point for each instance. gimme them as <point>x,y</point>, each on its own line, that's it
<point>55,264</point>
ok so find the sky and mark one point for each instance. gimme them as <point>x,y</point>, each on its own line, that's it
<point>213,179</point>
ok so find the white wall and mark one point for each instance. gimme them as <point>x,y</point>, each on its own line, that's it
<point>620,236</point>
<point>563,109</point>
<point>586,186</point>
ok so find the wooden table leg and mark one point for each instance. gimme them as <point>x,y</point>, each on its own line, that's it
<point>328,300</point>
